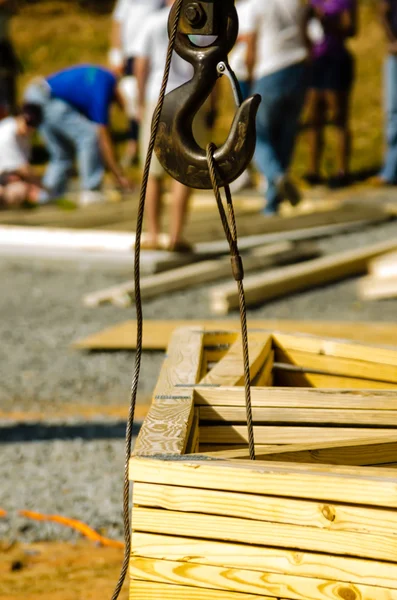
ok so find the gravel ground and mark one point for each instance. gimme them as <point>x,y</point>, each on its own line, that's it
<point>73,468</point>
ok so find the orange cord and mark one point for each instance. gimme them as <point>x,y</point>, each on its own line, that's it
<point>82,528</point>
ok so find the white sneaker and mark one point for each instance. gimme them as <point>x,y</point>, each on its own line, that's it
<point>288,190</point>
<point>88,197</point>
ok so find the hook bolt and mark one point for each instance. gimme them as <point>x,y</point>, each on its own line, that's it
<point>194,14</point>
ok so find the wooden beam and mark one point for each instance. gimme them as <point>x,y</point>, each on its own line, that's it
<point>167,426</point>
<point>146,590</point>
<point>203,272</point>
<point>245,581</point>
<point>262,559</point>
<point>287,375</point>
<point>230,369</point>
<point>324,518</point>
<point>319,416</point>
<point>384,267</point>
<point>377,288</point>
<point>334,365</point>
<point>343,399</point>
<point>251,531</point>
<point>237,434</point>
<point>350,485</point>
<point>336,348</point>
<point>156,334</point>
<point>283,281</point>
<point>360,452</point>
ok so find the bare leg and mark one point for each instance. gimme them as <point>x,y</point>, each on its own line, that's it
<point>316,102</point>
<point>342,102</point>
<point>180,201</point>
<point>153,209</point>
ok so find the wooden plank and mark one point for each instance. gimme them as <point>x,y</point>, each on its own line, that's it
<point>260,558</point>
<point>384,267</point>
<point>167,425</point>
<point>326,416</point>
<point>237,434</point>
<point>194,434</point>
<point>263,377</point>
<point>203,272</point>
<point>325,518</point>
<point>246,581</point>
<point>230,370</point>
<point>250,531</point>
<point>157,334</point>
<point>376,288</point>
<point>285,280</point>
<point>299,398</point>
<point>360,452</point>
<point>144,590</point>
<point>350,485</point>
<point>336,348</point>
<point>334,365</point>
<point>182,365</point>
<point>286,375</point>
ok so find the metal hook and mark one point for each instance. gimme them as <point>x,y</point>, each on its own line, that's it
<point>175,146</point>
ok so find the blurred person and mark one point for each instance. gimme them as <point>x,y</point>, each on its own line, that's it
<point>127,21</point>
<point>18,183</point>
<point>238,64</point>
<point>76,104</point>
<point>331,23</point>
<point>9,63</point>
<point>150,58</point>
<point>276,63</point>
<point>388,10</point>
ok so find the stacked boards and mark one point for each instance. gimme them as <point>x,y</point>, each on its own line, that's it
<point>314,517</point>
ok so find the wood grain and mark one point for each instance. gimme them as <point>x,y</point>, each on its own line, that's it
<point>303,513</point>
<point>144,590</point>
<point>260,558</point>
<point>249,531</point>
<point>230,369</point>
<point>349,485</point>
<point>298,398</point>
<point>245,581</point>
<point>237,434</point>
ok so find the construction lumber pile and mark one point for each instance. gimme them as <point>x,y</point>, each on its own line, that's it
<point>313,518</point>
<point>382,279</point>
<point>203,272</point>
<point>267,286</point>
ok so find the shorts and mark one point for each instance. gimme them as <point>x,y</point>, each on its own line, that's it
<point>335,73</point>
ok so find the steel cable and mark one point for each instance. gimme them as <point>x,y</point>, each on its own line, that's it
<point>138,303</point>
<point>230,228</point>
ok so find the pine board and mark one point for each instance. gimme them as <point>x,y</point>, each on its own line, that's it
<point>157,334</point>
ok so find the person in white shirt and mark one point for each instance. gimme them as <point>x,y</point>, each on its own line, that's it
<point>127,21</point>
<point>276,61</point>
<point>151,50</point>
<point>18,184</point>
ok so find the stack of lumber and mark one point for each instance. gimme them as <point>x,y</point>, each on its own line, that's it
<point>273,284</point>
<point>382,279</point>
<point>313,518</point>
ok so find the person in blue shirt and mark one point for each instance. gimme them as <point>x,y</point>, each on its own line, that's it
<point>76,104</point>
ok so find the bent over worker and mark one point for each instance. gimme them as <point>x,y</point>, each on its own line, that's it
<point>76,105</point>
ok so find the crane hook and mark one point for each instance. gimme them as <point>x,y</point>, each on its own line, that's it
<point>176,147</point>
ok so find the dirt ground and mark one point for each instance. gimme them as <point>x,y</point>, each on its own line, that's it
<point>59,571</point>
